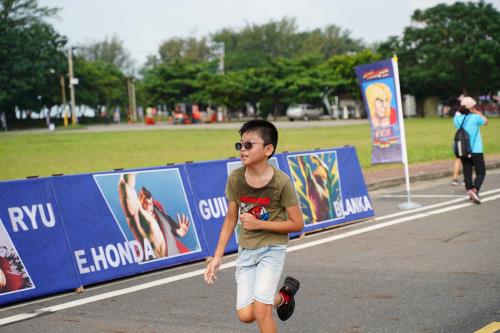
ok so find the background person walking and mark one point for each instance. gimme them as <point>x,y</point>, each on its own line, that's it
<point>457,163</point>
<point>470,118</point>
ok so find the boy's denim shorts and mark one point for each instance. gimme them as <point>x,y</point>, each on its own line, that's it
<point>258,272</point>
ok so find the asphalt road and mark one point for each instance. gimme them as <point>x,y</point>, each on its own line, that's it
<point>435,269</point>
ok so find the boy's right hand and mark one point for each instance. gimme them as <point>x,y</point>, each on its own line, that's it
<point>212,268</point>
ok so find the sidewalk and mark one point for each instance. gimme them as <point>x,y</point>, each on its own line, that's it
<point>424,171</point>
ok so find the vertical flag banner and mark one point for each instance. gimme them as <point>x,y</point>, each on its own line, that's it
<point>378,87</point>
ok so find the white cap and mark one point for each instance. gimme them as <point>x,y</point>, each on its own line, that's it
<point>468,102</point>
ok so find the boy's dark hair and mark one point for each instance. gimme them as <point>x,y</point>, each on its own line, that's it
<point>263,128</point>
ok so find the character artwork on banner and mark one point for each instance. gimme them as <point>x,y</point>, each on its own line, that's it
<point>377,83</point>
<point>13,274</point>
<point>152,212</point>
<point>317,183</point>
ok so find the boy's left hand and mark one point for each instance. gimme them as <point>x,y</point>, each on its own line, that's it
<point>249,222</point>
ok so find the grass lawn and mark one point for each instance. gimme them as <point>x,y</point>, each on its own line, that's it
<point>24,154</point>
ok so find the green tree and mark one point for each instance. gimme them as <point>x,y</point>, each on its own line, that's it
<point>270,65</point>
<point>31,57</point>
<point>309,79</point>
<point>180,49</point>
<point>255,45</point>
<point>449,49</point>
<point>258,45</point>
<point>340,70</point>
<point>223,89</point>
<point>110,50</point>
<point>256,86</point>
<point>329,41</point>
<point>286,81</point>
<point>100,84</point>
<point>171,83</point>
<point>236,88</point>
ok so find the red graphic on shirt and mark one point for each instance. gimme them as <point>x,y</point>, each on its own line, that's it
<point>253,200</point>
<point>255,207</point>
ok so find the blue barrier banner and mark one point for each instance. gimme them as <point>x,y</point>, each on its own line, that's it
<point>59,233</point>
<point>35,258</point>
<point>330,187</point>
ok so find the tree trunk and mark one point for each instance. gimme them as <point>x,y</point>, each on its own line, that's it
<point>255,111</point>
<point>276,111</point>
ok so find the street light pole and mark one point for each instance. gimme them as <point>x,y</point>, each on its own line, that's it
<point>71,86</point>
<point>221,110</point>
<point>63,94</point>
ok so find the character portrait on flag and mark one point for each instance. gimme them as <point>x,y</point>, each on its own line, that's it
<point>380,96</point>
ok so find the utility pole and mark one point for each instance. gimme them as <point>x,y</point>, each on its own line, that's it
<point>71,86</point>
<point>221,110</point>
<point>132,114</point>
<point>222,52</point>
<point>63,94</point>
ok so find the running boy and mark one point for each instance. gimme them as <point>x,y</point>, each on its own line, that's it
<point>268,210</point>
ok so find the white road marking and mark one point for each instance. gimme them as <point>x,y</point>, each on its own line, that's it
<point>446,203</point>
<point>19,317</point>
<point>199,272</point>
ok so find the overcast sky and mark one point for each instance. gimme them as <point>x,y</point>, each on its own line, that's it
<point>143,25</point>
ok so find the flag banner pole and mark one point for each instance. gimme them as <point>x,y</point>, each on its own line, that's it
<point>409,204</point>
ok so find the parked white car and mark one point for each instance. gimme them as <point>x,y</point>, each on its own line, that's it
<point>303,111</point>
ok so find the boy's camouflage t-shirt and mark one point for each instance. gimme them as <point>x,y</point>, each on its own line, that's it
<point>267,204</point>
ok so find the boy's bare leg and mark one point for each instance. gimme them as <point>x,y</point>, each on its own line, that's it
<point>264,316</point>
<point>277,300</point>
<point>260,312</point>
<point>247,314</point>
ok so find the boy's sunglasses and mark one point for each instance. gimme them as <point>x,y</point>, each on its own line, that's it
<point>247,145</point>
